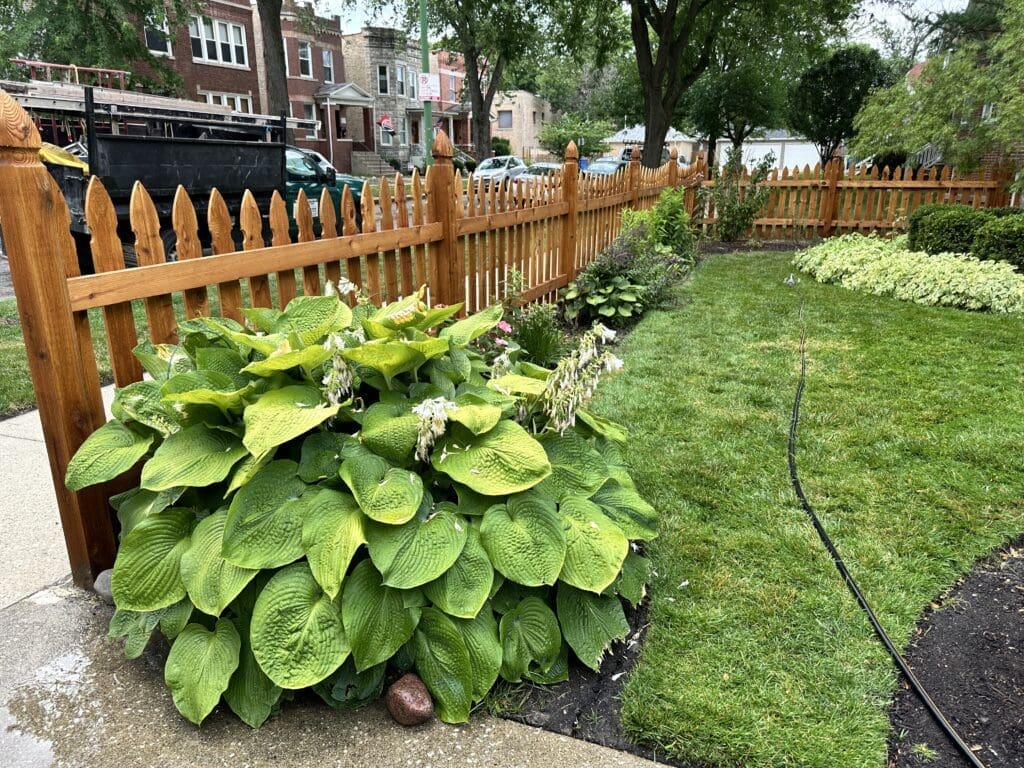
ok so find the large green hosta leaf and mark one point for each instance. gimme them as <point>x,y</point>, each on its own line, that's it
<point>462,332</point>
<point>313,317</point>
<point>348,689</point>
<point>297,635</point>
<point>595,546</point>
<point>137,504</point>
<point>632,582</point>
<point>503,461</point>
<point>206,388</point>
<point>443,663</point>
<point>481,637</point>
<point>211,581</point>
<point>590,623</point>
<point>141,402</point>
<point>282,415</point>
<point>377,623</point>
<point>577,469</point>
<point>529,636</point>
<point>284,358</point>
<point>603,427</point>
<point>476,417</point>
<point>323,453</point>
<point>265,519</point>
<point>250,694</point>
<point>525,539</point>
<point>105,454</point>
<point>246,470</point>
<point>331,535</point>
<point>147,572</point>
<point>627,509</point>
<point>389,358</point>
<point>418,551</point>
<point>161,361</point>
<point>385,493</point>
<point>199,667</point>
<point>515,384</point>
<point>390,430</point>
<point>219,360</point>
<point>463,589</point>
<point>195,457</point>
<point>137,626</point>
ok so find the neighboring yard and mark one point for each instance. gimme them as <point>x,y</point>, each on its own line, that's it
<point>909,448</point>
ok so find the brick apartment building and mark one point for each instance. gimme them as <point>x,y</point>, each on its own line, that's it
<point>518,116</point>
<point>453,111</point>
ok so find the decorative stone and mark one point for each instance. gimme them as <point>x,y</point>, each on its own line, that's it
<point>408,700</point>
<point>102,586</point>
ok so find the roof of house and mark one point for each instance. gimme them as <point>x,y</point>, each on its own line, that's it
<point>635,135</point>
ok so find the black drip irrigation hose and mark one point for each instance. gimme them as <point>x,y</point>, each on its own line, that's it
<point>897,657</point>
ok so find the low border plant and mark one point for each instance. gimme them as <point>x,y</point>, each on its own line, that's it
<point>333,495</point>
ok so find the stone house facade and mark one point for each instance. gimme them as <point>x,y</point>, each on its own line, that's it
<point>452,112</point>
<point>518,117</point>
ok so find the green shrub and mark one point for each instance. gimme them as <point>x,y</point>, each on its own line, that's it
<point>737,198</point>
<point>887,268</point>
<point>615,301</point>
<point>339,492</point>
<point>946,228</point>
<point>537,333</point>
<point>669,225</point>
<point>1001,239</point>
<point>1005,211</point>
<point>500,145</point>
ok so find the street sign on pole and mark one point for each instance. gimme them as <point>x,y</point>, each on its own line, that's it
<point>429,86</point>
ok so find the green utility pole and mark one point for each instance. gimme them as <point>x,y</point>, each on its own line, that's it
<point>427,133</point>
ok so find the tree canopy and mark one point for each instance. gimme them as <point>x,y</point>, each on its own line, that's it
<point>589,135</point>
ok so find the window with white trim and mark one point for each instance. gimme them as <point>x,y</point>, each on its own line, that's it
<point>504,119</point>
<point>158,39</point>
<point>239,102</point>
<point>309,113</point>
<point>383,79</point>
<point>328,65</point>
<point>284,47</point>
<point>305,59</point>
<point>400,79</point>
<point>403,131</point>
<point>988,111</point>
<point>412,84</point>
<point>385,137</point>
<point>218,41</point>
<point>453,93</point>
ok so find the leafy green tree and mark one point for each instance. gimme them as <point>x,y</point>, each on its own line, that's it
<point>589,135</point>
<point>827,97</point>
<point>500,145</point>
<point>97,33</point>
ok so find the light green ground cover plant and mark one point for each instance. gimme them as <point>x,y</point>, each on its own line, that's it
<point>335,491</point>
<point>909,448</point>
<point>886,268</point>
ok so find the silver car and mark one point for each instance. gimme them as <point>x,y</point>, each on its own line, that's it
<point>499,170</point>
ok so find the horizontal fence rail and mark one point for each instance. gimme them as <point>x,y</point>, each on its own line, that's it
<point>469,241</point>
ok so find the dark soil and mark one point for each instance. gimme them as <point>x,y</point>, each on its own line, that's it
<point>586,706</point>
<point>708,247</point>
<point>969,654</point>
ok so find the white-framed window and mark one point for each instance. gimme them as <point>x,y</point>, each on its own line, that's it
<point>328,65</point>
<point>988,112</point>
<point>453,88</point>
<point>239,102</point>
<point>504,119</point>
<point>158,39</point>
<point>400,79</point>
<point>386,138</point>
<point>218,41</point>
<point>305,59</point>
<point>284,47</point>
<point>411,84</point>
<point>383,79</point>
<point>403,131</point>
<point>309,113</point>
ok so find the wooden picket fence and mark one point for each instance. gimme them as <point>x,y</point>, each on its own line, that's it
<point>462,241</point>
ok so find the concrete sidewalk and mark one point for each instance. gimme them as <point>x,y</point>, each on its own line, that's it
<point>69,698</point>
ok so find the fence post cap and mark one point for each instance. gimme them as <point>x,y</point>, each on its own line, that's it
<point>442,147</point>
<point>635,153</point>
<point>16,129</point>
<point>571,152</point>
<point>674,154</point>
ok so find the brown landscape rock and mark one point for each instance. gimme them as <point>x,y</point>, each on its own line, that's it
<point>408,700</point>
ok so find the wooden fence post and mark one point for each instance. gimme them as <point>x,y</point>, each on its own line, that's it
<point>673,168</point>
<point>447,265</point>
<point>633,178</point>
<point>34,223</point>
<point>833,172</point>
<point>570,193</point>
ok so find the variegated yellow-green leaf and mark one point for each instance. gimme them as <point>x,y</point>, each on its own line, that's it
<point>250,694</point>
<point>529,635</point>
<point>331,535</point>
<point>418,551</point>
<point>515,384</point>
<point>265,519</point>
<point>162,361</point>
<point>461,332</point>
<point>105,454</point>
<point>503,461</point>
<point>463,589</point>
<point>484,646</point>
<point>432,318</point>
<point>385,493</point>
<point>147,572</point>
<point>577,469</point>
<point>297,635</point>
<point>282,415</point>
<point>377,623</point>
<point>525,539</point>
<point>442,662</point>
<point>200,666</point>
<point>595,546</point>
<point>389,358</point>
<point>590,623</point>
<point>194,457</point>
<point>211,581</point>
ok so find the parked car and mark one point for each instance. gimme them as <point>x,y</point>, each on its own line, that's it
<point>463,161</point>
<point>500,169</point>
<point>529,180</point>
<point>626,153</point>
<point>303,172</point>
<point>605,166</point>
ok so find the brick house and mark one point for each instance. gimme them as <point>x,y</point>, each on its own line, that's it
<point>453,112</point>
<point>519,116</point>
<point>384,63</point>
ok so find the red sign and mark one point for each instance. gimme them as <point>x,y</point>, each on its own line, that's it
<point>384,121</point>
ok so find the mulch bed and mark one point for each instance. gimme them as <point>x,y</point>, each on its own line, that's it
<point>708,247</point>
<point>969,654</point>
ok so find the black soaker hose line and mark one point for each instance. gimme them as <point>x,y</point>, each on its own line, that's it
<point>900,662</point>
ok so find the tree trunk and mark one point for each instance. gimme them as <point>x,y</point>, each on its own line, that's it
<point>712,148</point>
<point>657,123</point>
<point>480,99</point>
<point>273,56</point>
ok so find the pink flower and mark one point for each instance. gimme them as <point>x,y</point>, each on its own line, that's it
<point>501,342</point>
<point>504,327</point>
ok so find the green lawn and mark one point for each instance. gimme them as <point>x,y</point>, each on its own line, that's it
<point>910,448</point>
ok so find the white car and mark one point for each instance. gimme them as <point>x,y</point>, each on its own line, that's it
<point>501,169</point>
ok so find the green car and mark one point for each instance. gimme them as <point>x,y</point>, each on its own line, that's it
<point>304,172</point>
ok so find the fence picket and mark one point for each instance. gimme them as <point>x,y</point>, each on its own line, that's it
<point>251,222</point>
<point>218,221</point>
<point>329,231</point>
<point>149,249</point>
<point>186,228</point>
<point>303,215</point>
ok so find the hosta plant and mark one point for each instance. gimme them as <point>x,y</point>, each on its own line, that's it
<point>615,301</point>
<point>330,496</point>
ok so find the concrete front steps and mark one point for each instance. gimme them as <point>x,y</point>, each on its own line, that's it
<point>370,164</point>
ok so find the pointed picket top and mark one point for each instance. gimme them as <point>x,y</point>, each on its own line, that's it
<point>417,198</point>
<point>572,153</point>
<point>634,153</point>
<point>17,131</point>
<point>303,215</point>
<point>279,220</point>
<point>149,248</point>
<point>107,254</point>
<point>328,217</point>
<point>386,216</point>
<point>218,221</point>
<point>348,212</point>
<point>186,225</point>
<point>401,202</point>
<point>442,148</point>
<point>250,222</point>
<point>369,210</point>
